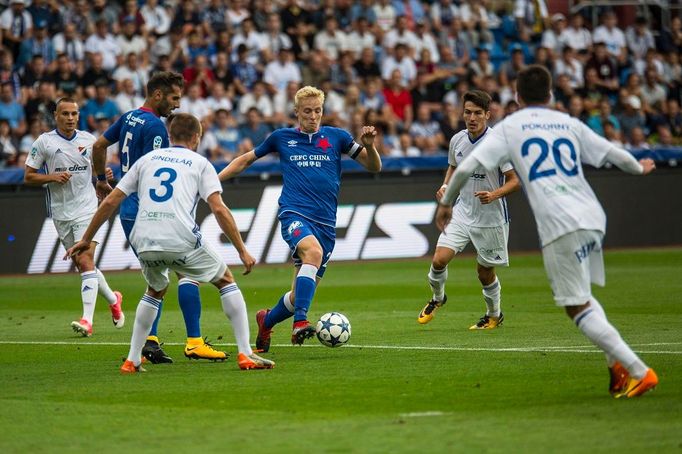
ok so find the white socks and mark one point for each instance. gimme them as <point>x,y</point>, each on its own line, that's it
<point>437,280</point>
<point>104,288</point>
<point>146,312</point>
<point>594,325</point>
<point>89,294</point>
<point>234,307</point>
<point>491,295</point>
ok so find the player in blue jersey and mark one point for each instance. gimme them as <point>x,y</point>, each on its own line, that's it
<point>138,132</point>
<point>310,159</point>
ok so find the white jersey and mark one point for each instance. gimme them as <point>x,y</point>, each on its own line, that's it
<point>547,149</point>
<point>55,154</point>
<point>169,183</point>
<point>468,209</point>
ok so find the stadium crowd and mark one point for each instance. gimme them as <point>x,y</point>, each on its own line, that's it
<point>401,65</point>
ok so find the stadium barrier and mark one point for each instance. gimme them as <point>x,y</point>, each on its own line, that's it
<point>380,217</point>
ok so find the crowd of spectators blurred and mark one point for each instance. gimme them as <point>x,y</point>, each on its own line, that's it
<point>401,65</point>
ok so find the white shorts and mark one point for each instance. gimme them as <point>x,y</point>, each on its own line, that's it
<point>70,232</point>
<point>201,264</point>
<point>573,262</point>
<point>490,242</point>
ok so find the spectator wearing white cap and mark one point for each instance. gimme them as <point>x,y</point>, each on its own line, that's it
<point>631,117</point>
<point>550,37</point>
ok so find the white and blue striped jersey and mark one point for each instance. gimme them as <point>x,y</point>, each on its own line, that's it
<point>468,209</point>
<point>55,153</point>
<point>169,183</point>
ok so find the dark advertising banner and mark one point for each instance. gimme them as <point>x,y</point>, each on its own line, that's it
<point>384,217</point>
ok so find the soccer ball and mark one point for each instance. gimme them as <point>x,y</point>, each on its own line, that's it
<point>333,329</point>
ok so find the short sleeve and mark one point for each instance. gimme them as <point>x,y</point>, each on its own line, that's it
<point>113,133</point>
<point>593,147</point>
<point>269,145</point>
<point>128,184</point>
<point>209,181</point>
<point>506,167</point>
<point>156,137</point>
<point>36,158</point>
<point>452,151</point>
<point>348,145</point>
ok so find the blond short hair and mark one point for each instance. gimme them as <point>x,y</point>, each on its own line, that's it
<point>308,92</point>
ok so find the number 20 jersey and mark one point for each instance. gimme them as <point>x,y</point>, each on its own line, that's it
<point>137,132</point>
<point>169,183</point>
<point>547,149</point>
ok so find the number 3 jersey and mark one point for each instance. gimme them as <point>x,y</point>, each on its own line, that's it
<point>468,208</point>
<point>547,148</point>
<point>169,183</point>
<point>137,132</point>
<point>55,153</point>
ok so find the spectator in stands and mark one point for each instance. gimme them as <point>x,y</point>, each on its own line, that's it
<point>653,92</point>
<point>275,40</point>
<point>401,61</point>
<point>385,14</point>
<point>330,40</point>
<point>237,13</point>
<point>398,97</point>
<point>510,70</point>
<point>279,72</point>
<point>570,65</point>
<point>673,117</point>
<point>363,9</point>
<point>316,70</point>
<point>200,73</point>
<point>475,20</point>
<point>131,71</point>
<point>639,39</point>
<point>576,35</point>
<point>101,106</point>
<point>193,103</point>
<point>12,111</point>
<point>367,67</point>
<point>39,44</point>
<point>244,71</point>
<point>95,75</point>
<point>130,41</point>
<point>107,12</point>
<point>637,139</point>
<point>576,108</point>
<point>333,105</point>
<point>42,11</point>
<point>426,132</point>
<point>42,106</point>
<point>592,91</point>
<point>32,75</point>
<point>214,17</point>
<point>664,138</point>
<point>283,105</point>
<point>302,42</point>
<point>597,120</point>
<point>605,66</point>
<point>78,13</point>
<point>35,129</point>
<point>253,131</point>
<point>551,38</point>
<point>360,38</point>
<point>7,72</point>
<point>258,98</point>
<point>614,38</point>
<point>426,41</point>
<point>531,16</point>
<point>480,68</point>
<point>186,17</point>
<point>197,45</point>
<point>223,74</point>
<point>405,147</point>
<point>343,74</point>
<point>252,40</point>
<point>156,18</point>
<point>128,98</point>
<point>400,34</point>
<point>104,43</point>
<point>208,146</point>
<point>292,15</point>
<point>69,42</point>
<point>219,98</point>
<point>16,26</point>
<point>443,12</point>
<point>631,117</point>
<point>227,134</point>
<point>670,39</point>
<point>612,134</point>
<point>9,148</point>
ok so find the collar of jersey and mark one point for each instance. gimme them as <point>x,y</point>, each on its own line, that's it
<point>479,137</point>
<point>147,109</point>
<point>75,133</point>
<point>179,146</point>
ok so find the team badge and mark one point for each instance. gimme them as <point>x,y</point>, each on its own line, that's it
<point>323,143</point>
<point>295,228</point>
<point>157,142</point>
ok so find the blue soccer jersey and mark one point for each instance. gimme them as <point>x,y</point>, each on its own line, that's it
<point>311,169</point>
<point>137,132</point>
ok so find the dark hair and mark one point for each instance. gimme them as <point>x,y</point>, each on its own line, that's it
<point>534,84</point>
<point>479,98</point>
<point>183,126</point>
<point>164,81</point>
<point>65,99</point>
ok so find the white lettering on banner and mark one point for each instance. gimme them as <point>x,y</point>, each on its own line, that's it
<point>211,233</point>
<point>397,220</point>
<point>357,227</point>
<point>116,256</point>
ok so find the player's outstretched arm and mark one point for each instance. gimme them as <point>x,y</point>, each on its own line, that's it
<point>237,166</point>
<point>33,178</point>
<point>104,212</point>
<point>369,157</point>
<point>511,184</point>
<point>229,227</point>
<point>627,163</point>
<point>99,160</point>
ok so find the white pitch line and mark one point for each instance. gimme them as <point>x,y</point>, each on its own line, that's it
<point>548,349</point>
<point>422,414</point>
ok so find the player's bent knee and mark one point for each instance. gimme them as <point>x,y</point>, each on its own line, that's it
<point>572,311</point>
<point>158,294</point>
<point>225,279</point>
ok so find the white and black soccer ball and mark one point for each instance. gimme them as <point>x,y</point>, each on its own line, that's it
<point>333,329</point>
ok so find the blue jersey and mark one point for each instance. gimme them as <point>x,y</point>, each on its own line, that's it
<point>311,169</point>
<point>137,132</point>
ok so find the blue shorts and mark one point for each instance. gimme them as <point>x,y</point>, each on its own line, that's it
<point>295,227</point>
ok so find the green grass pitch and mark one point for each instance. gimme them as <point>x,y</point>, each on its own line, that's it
<point>533,385</point>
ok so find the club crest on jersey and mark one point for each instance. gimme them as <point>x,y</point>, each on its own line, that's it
<point>157,142</point>
<point>295,228</point>
<point>292,143</point>
<point>83,151</point>
<point>323,143</point>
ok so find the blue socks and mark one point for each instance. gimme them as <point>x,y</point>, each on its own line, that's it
<point>155,325</point>
<point>190,305</point>
<point>282,311</point>
<point>305,290</point>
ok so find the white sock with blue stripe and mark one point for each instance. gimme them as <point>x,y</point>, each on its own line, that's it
<point>606,337</point>
<point>104,288</point>
<point>491,295</point>
<point>234,307</point>
<point>89,294</point>
<point>145,314</point>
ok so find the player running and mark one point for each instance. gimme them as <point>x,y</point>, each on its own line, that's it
<point>310,159</point>
<point>138,132</point>
<point>480,216</point>
<point>64,154</point>
<point>547,148</point>
<point>169,182</point>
